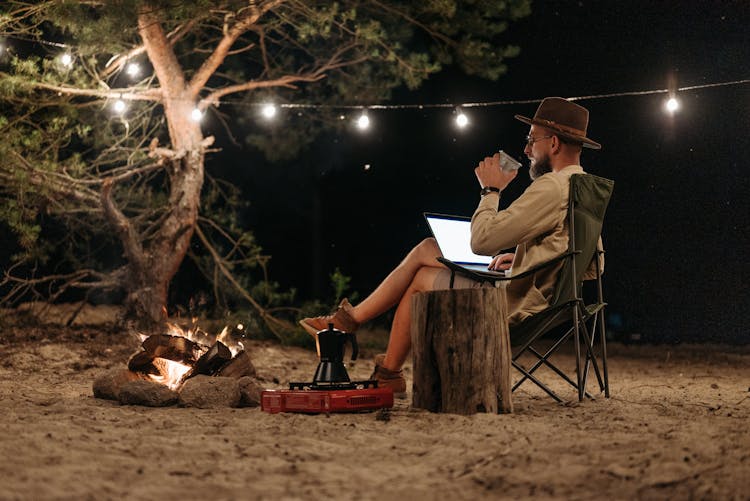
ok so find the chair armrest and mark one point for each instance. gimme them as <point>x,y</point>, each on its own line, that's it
<point>543,265</point>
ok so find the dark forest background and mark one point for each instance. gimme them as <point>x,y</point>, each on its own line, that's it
<point>677,229</point>
<point>676,232</point>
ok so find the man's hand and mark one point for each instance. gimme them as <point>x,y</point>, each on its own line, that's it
<point>489,173</point>
<point>501,262</point>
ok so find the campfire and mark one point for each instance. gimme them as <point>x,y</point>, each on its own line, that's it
<point>171,359</point>
<point>172,365</point>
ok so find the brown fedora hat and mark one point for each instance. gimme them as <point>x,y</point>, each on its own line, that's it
<point>563,117</point>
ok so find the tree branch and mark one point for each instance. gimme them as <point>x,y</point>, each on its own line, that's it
<point>246,19</point>
<point>165,63</point>
<point>126,93</point>
<point>119,61</point>
<point>286,81</point>
<point>128,235</point>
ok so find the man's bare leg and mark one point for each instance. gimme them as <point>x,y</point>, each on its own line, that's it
<point>399,342</point>
<point>392,290</point>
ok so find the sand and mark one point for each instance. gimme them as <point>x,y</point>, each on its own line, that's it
<point>676,427</point>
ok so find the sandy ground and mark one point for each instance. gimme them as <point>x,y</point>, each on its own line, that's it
<point>676,427</point>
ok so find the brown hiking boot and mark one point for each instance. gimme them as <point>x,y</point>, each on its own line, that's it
<point>387,378</point>
<point>341,320</point>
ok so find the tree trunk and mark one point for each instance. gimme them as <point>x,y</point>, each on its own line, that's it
<point>153,262</point>
<point>461,351</point>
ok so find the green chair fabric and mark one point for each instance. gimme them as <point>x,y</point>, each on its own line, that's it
<point>589,198</point>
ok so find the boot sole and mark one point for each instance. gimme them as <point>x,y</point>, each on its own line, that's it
<point>308,328</point>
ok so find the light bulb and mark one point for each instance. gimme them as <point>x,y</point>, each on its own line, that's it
<point>119,106</point>
<point>133,69</point>
<point>363,122</point>
<point>67,60</point>
<point>269,111</point>
<point>672,105</point>
<point>196,115</point>
<point>462,120</point>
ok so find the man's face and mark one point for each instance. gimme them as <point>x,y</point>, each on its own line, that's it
<point>537,151</point>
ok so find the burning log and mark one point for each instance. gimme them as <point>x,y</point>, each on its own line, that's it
<point>175,348</point>
<point>212,361</point>
<point>238,367</point>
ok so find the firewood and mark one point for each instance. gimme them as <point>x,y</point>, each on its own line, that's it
<point>239,366</point>
<point>211,361</point>
<point>176,348</point>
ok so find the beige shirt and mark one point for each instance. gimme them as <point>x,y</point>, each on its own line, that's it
<point>536,224</point>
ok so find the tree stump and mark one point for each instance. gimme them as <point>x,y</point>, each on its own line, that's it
<point>461,348</point>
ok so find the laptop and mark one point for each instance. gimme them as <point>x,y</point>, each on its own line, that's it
<point>453,236</point>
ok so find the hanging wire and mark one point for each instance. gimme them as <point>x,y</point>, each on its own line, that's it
<point>482,103</point>
<point>420,106</point>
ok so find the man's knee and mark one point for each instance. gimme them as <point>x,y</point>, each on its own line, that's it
<point>428,250</point>
<point>424,280</point>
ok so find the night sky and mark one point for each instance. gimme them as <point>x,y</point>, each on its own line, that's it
<point>676,231</point>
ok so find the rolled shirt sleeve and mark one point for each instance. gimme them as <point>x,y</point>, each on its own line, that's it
<point>537,211</point>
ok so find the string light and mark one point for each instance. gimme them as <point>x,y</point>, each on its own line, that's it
<point>462,120</point>
<point>119,106</point>
<point>66,60</point>
<point>269,111</point>
<point>133,69</point>
<point>363,122</point>
<point>672,104</point>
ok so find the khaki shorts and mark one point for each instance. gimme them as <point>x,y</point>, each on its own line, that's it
<point>443,281</point>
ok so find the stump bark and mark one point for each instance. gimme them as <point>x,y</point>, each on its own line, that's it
<point>461,349</point>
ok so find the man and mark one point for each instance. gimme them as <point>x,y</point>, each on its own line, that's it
<point>535,224</point>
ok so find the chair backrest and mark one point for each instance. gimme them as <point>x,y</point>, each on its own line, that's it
<point>589,197</point>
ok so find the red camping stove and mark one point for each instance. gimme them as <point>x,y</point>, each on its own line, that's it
<point>331,390</point>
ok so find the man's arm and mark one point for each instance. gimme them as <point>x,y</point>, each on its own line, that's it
<point>537,211</point>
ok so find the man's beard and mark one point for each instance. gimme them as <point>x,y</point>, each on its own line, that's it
<point>539,167</point>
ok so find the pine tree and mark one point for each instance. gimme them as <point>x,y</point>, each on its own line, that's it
<point>102,144</point>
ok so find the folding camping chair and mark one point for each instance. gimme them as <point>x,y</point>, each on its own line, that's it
<point>589,197</point>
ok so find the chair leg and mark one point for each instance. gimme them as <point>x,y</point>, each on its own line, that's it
<point>541,359</point>
<point>590,356</point>
<point>535,381</point>
<point>577,342</point>
<point>603,335</point>
<point>552,367</point>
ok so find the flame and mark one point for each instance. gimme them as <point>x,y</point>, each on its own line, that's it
<point>201,337</point>
<point>171,372</point>
<point>234,346</point>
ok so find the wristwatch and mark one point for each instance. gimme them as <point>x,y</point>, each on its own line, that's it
<point>488,189</point>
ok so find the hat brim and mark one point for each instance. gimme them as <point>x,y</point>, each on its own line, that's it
<point>588,143</point>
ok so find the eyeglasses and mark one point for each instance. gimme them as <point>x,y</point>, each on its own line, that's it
<point>530,140</point>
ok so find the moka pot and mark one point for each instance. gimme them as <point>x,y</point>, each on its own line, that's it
<point>331,367</point>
